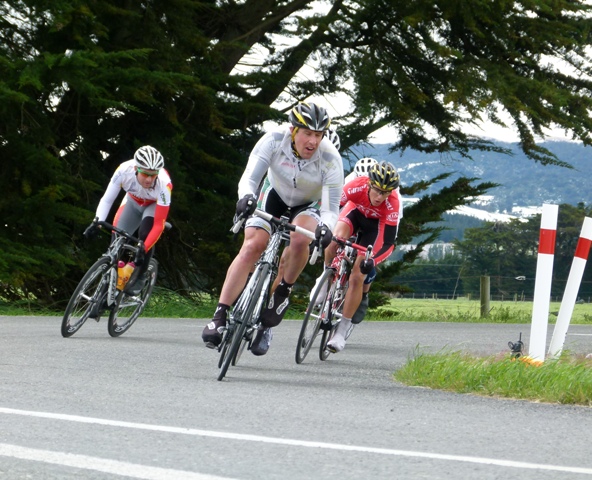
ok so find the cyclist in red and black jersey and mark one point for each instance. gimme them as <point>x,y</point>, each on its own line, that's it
<point>371,207</point>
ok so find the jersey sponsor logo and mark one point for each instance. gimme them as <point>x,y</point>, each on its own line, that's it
<point>368,212</point>
<point>353,190</point>
<point>393,217</point>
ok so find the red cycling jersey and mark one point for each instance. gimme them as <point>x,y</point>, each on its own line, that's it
<point>387,215</point>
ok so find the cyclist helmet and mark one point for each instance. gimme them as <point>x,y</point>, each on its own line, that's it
<point>310,116</point>
<point>384,176</point>
<point>363,165</point>
<point>149,158</point>
<point>332,135</point>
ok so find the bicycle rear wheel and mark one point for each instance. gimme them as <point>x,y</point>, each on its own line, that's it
<point>243,313</point>
<point>315,314</point>
<point>128,308</point>
<point>87,295</point>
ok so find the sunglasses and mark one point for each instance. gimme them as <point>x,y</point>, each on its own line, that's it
<point>147,173</point>
<point>380,192</point>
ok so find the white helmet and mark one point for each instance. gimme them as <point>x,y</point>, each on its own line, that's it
<point>362,166</point>
<point>149,158</point>
<point>332,135</point>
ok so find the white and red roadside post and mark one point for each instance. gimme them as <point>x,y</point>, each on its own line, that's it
<point>542,285</point>
<point>571,289</point>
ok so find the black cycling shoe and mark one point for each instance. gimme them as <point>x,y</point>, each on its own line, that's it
<point>137,287</point>
<point>212,333</point>
<point>262,340</point>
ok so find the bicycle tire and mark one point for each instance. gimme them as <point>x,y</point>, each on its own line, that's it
<point>223,347</point>
<point>339,292</point>
<point>128,308</point>
<point>245,341</point>
<point>243,317</point>
<point>86,294</point>
<point>314,316</point>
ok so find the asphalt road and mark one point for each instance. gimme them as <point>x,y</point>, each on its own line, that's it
<point>148,405</point>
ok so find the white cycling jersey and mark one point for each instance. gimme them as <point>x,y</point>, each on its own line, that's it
<point>297,181</point>
<point>125,177</point>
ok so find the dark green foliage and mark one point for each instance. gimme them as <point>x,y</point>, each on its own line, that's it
<point>83,84</point>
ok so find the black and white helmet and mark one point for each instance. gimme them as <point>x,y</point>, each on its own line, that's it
<point>363,165</point>
<point>310,116</point>
<point>148,158</point>
<point>332,135</point>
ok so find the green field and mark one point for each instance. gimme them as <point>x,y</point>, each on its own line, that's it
<point>463,310</point>
<point>165,303</point>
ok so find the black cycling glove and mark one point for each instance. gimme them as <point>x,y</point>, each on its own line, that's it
<point>366,266</point>
<point>323,235</point>
<point>91,231</point>
<point>246,206</point>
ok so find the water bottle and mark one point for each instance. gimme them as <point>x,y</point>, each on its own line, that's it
<point>120,283</point>
<point>127,273</point>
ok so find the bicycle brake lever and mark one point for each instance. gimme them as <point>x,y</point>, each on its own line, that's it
<point>315,255</point>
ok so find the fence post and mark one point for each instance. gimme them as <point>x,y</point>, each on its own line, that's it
<point>484,291</point>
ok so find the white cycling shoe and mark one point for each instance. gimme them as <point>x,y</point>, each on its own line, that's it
<point>337,342</point>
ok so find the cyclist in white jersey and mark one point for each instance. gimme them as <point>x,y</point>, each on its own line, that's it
<point>304,182</point>
<point>145,206</point>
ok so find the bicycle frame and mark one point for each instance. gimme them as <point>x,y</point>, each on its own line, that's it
<point>243,319</point>
<point>117,251</point>
<point>344,260</point>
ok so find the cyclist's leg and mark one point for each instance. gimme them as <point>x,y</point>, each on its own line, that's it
<point>139,278</point>
<point>305,216</point>
<point>363,308</point>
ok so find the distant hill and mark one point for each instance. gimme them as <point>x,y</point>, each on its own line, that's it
<point>523,182</point>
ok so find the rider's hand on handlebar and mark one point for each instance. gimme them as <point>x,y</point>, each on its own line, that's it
<point>246,206</point>
<point>323,235</point>
<point>366,266</point>
<point>91,231</point>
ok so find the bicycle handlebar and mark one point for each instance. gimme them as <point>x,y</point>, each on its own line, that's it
<point>284,223</point>
<point>108,226</point>
<point>360,248</point>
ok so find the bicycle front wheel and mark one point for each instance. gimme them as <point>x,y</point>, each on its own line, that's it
<point>243,314</point>
<point>314,316</point>
<point>337,301</point>
<point>128,307</point>
<point>88,294</point>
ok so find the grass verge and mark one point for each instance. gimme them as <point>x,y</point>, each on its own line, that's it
<point>567,380</point>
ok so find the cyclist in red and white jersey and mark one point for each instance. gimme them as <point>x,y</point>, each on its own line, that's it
<point>144,208</point>
<point>372,207</point>
<point>302,175</point>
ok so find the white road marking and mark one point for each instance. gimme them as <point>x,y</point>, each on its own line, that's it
<point>296,443</point>
<point>101,464</point>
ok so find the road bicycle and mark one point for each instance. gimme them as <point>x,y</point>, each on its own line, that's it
<point>243,318</point>
<point>326,305</point>
<point>97,293</point>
